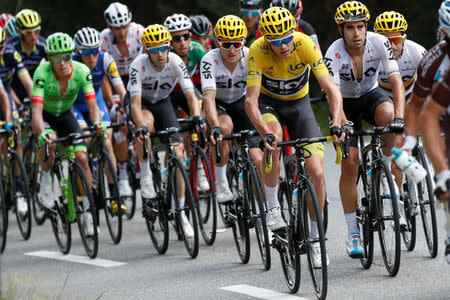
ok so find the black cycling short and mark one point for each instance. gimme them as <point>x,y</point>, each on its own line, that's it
<point>297,115</point>
<point>163,112</point>
<point>179,102</point>
<point>363,108</point>
<point>64,125</point>
<point>236,111</point>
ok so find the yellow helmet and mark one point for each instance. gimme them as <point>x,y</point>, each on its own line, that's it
<point>2,35</point>
<point>351,11</point>
<point>230,28</point>
<point>276,21</point>
<point>390,21</point>
<point>155,34</point>
<point>28,19</point>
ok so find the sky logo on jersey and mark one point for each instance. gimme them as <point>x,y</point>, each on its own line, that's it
<point>229,84</point>
<point>285,87</point>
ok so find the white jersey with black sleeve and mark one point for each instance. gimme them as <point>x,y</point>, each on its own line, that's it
<point>407,63</point>
<point>215,77</point>
<point>377,51</point>
<point>154,86</point>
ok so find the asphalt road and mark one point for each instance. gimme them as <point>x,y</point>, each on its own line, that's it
<point>133,270</point>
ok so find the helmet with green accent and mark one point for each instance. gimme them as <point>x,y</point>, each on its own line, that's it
<point>59,42</point>
<point>28,19</point>
<point>11,27</point>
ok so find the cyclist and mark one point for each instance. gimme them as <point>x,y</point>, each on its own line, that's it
<point>431,129</point>
<point>224,80</point>
<point>30,45</point>
<point>61,76</point>
<point>122,40</point>
<point>277,92</point>
<point>102,65</point>
<point>353,61</point>
<point>250,11</point>
<point>201,31</point>
<point>153,76</point>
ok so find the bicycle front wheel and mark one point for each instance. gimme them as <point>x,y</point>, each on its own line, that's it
<point>427,208</point>
<point>385,203</point>
<point>3,218</point>
<point>409,198</point>
<point>86,212</point>
<point>109,194</point>
<point>205,199</point>
<point>258,214</point>
<point>186,216</point>
<point>19,192</point>
<point>317,269</point>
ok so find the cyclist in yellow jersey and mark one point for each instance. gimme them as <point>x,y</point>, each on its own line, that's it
<point>277,91</point>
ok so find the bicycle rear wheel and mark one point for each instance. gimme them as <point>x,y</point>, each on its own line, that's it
<point>409,198</point>
<point>205,200</point>
<point>80,186</point>
<point>19,189</point>
<point>112,200</point>
<point>3,218</point>
<point>188,209</point>
<point>387,217</point>
<point>258,214</point>
<point>319,274</point>
<point>427,208</point>
<point>289,247</point>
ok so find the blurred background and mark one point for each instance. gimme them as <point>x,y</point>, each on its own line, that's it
<point>69,16</point>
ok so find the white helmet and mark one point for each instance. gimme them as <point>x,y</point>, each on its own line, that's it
<point>117,14</point>
<point>177,22</point>
<point>87,38</point>
<point>444,16</point>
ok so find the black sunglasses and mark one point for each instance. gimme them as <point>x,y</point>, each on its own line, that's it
<point>181,37</point>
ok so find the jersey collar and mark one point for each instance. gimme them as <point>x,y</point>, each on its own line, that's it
<point>70,75</point>
<point>23,48</point>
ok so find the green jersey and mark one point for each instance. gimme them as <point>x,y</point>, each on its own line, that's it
<point>46,87</point>
<point>195,55</point>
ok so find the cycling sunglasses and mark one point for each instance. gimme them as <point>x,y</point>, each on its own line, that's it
<point>181,37</point>
<point>250,12</point>
<point>279,42</point>
<point>88,52</point>
<point>396,39</point>
<point>229,45</point>
<point>58,58</point>
<point>155,50</point>
<point>31,31</point>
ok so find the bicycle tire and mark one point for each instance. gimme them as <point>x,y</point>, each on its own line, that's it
<point>23,220</point>
<point>409,235</point>
<point>191,243</point>
<point>208,227</point>
<point>113,219</point>
<point>319,276</point>
<point>3,216</point>
<point>363,217</point>
<point>386,211</point>
<point>427,199</point>
<point>289,252</point>
<point>258,214</point>
<point>90,243</point>
<point>39,210</point>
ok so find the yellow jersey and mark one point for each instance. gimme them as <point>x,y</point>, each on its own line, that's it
<point>284,78</point>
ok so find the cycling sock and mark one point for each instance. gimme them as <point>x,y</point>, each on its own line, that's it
<point>352,225</point>
<point>145,168</point>
<point>313,231</point>
<point>221,173</point>
<point>272,196</point>
<point>181,202</point>
<point>123,175</point>
<point>46,177</point>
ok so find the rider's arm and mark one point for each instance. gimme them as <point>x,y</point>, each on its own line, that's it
<point>37,121</point>
<point>15,98</point>
<point>6,107</point>
<point>431,130</point>
<point>208,80</point>
<point>114,76</point>
<point>334,99</point>
<point>107,91</point>
<point>89,94</point>
<point>94,112</point>
<point>27,82</point>
<point>186,84</point>
<point>210,107</point>
<point>136,110</point>
<point>398,93</point>
<point>252,110</point>
<point>412,111</point>
<point>194,107</point>
<point>37,100</point>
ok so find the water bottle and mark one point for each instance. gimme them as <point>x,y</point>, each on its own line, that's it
<point>409,165</point>
<point>295,198</point>
<point>241,181</point>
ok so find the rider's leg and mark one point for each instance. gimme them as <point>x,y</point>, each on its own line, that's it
<point>347,189</point>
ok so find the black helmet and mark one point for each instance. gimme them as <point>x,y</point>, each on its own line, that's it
<point>201,25</point>
<point>251,4</point>
<point>294,6</point>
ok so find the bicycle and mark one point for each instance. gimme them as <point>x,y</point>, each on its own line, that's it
<point>158,211</point>
<point>248,209</point>
<point>70,185</point>
<point>15,183</point>
<point>205,200</point>
<point>377,208</point>
<point>298,200</point>
<point>105,183</point>
<point>419,199</point>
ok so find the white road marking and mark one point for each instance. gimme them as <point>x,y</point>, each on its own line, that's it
<point>221,230</point>
<point>259,292</point>
<point>76,259</point>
